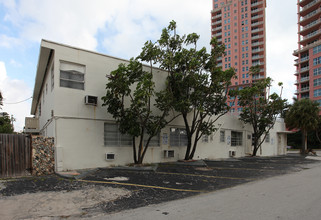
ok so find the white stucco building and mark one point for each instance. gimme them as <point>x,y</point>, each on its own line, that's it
<point>67,106</point>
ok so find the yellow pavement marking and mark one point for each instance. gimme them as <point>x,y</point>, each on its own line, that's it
<point>238,168</point>
<point>145,186</point>
<point>200,175</point>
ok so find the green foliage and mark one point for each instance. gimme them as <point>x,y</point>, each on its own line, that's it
<point>195,88</point>
<point>5,124</point>
<point>259,108</point>
<point>132,100</point>
<point>303,115</point>
<point>197,85</point>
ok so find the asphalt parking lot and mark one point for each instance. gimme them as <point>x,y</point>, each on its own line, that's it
<point>170,181</point>
<point>166,181</point>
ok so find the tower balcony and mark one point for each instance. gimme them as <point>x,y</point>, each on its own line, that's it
<point>254,24</point>
<point>257,43</point>
<point>314,35</point>
<point>302,70</point>
<point>302,60</point>
<point>306,19</point>
<point>257,30</point>
<point>256,10</point>
<point>304,89</point>
<point>306,48</point>
<point>256,37</point>
<point>217,22</point>
<point>256,17</point>
<point>256,3</point>
<point>310,7</point>
<point>257,57</point>
<point>307,28</point>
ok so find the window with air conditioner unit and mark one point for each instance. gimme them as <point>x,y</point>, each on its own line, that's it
<point>231,153</point>
<point>91,100</point>
<point>110,156</point>
<point>169,153</point>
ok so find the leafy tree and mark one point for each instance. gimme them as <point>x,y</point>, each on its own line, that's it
<point>197,85</point>
<point>138,108</point>
<point>303,115</point>
<point>5,123</point>
<point>260,109</point>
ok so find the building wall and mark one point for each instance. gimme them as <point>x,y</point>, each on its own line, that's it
<point>240,26</point>
<point>46,101</point>
<point>84,147</point>
<point>308,62</point>
<point>78,128</point>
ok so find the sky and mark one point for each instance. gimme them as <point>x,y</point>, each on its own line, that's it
<point>119,28</point>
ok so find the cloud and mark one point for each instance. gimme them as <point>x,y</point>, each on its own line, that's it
<point>14,90</point>
<point>126,24</point>
<point>143,20</point>
<point>281,28</point>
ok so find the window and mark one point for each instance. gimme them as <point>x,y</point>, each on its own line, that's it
<point>317,49</point>
<point>222,136</point>
<point>72,75</point>
<point>317,82</point>
<point>316,61</point>
<point>113,137</point>
<point>39,109</point>
<point>205,138</point>
<point>267,138</point>
<point>317,93</point>
<point>236,138</point>
<point>318,101</point>
<point>52,77</point>
<point>178,137</point>
<point>317,71</point>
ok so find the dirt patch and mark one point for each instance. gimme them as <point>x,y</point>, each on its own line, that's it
<point>57,204</point>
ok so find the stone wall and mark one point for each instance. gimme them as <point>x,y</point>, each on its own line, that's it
<point>43,155</point>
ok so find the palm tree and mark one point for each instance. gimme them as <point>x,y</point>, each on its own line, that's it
<point>303,115</point>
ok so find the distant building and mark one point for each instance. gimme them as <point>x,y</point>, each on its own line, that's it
<point>240,25</point>
<point>67,105</point>
<point>308,62</point>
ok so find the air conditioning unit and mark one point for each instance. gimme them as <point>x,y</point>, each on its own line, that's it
<point>91,100</point>
<point>110,156</point>
<point>232,153</point>
<point>169,153</point>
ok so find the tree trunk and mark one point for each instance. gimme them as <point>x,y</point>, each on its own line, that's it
<point>193,151</point>
<point>304,142</point>
<point>189,138</point>
<point>134,151</point>
<point>188,148</point>
<point>255,149</point>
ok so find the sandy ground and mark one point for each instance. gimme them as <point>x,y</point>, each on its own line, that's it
<point>56,205</point>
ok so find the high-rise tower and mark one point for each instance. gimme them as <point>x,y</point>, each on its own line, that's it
<point>240,25</point>
<point>308,62</point>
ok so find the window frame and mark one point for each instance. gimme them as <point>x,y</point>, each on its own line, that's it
<point>120,138</point>
<point>182,142</point>
<point>72,71</point>
<point>236,138</point>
